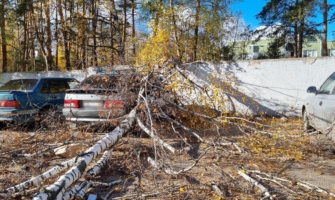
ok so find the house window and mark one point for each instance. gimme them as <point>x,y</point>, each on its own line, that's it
<point>310,53</point>
<point>254,48</point>
<point>331,52</point>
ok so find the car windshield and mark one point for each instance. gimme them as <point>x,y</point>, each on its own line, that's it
<point>19,84</point>
<point>96,81</point>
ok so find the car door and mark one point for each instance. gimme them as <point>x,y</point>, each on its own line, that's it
<point>57,92</point>
<point>53,92</point>
<point>324,106</point>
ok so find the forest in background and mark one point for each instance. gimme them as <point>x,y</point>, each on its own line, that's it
<point>44,35</point>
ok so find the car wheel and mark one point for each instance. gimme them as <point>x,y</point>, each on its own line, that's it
<point>307,126</point>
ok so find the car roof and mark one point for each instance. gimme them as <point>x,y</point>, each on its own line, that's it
<point>55,78</point>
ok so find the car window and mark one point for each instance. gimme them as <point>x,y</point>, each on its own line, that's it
<point>328,86</point>
<point>19,84</point>
<point>58,86</point>
<point>72,83</point>
<point>45,87</point>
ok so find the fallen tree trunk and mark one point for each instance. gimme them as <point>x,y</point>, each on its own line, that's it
<point>82,187</point>
<point>36,180</point>
<point>97,167</point>
<point>57,190</point>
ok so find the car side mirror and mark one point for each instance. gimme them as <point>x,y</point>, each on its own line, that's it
<point>312,89</point>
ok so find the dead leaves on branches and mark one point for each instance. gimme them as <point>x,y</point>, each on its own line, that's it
<point>173,152</point>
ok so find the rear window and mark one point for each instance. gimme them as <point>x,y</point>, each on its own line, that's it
<point>19,84</point>
<point>73,83</point>
<point>94,81</point>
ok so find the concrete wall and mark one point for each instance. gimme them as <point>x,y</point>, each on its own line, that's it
<point>282,84</point>
<point>278,86</point>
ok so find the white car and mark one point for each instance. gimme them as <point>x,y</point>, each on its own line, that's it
<point>318,110</point>
<point>101,98</point>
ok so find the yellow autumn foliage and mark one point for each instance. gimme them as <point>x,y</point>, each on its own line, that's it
<point>155,50</point>
<point>61,58</point>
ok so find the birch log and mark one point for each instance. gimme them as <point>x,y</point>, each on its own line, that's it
<point>57,190</point>
<point>97,167</point>
<point>76,190</point>
<point>36,180</point>
<point>256,183</point>
<point>81,193</point>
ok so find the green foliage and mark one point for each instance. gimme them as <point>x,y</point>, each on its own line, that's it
<point>287,19</point>
<point>274,49</point>
<point>228,52</point>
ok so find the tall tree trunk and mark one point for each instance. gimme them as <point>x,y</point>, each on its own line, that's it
<point>295,45</point>
<point>40,37</point>
<point>296,34</point>
<point>133,6</point>
<point>325,28</point>
<point>56,38</point>
<point>49,36</point>
<point>124,31</point>
<point>301,28</point>
<point>157,17</point>
<point>94,30</point>
<point>3,36</point>
<point>69,19</point>
<point>196,30</point>
<point>84,38</point>
<point>65,35</point>
<point>111,29</point>
<point>175,34</point>
<point>24,48</point>
<point>117,33</point>
<point>31,40</point>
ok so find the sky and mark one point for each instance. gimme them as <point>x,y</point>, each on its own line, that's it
<point>250,8</point>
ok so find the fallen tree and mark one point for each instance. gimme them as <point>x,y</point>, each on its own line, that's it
<point>173,150</point>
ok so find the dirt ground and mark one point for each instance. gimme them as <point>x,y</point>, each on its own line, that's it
<point>279,157</point>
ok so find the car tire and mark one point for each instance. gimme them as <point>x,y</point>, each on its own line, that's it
<point>307,126</point>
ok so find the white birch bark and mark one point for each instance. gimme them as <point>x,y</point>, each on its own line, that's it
<point>217,189</point>
<point>153,163</point>
<point>57,190</point>
<point>313,187</point>
<point>256,183</point>
<point>97,167</point>
<point>303,184</point>
<point>81,193</point>
<point>76,190</point>
<point>36,180</point>
<point>154,137</point>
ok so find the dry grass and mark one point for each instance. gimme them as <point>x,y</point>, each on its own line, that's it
<point>276,155</point>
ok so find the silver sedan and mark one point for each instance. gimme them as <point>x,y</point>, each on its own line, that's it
<point>99,98</point>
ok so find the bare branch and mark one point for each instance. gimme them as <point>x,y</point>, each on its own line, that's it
<point>154,137</point>
<point>256,183</point>
<point>216,189</point>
